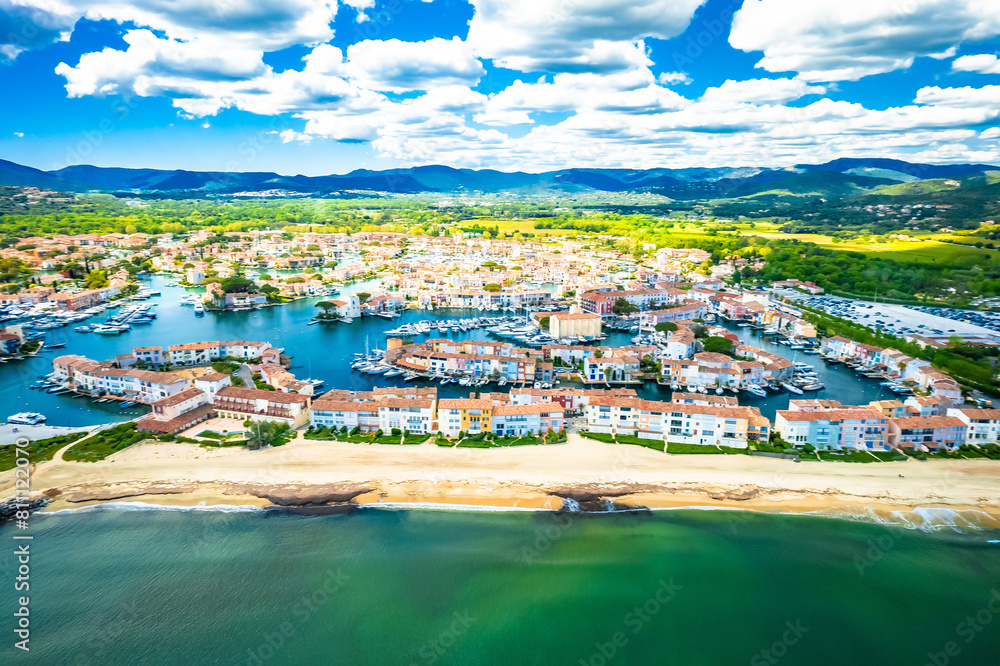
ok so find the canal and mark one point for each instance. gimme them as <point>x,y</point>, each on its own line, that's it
<point>322,351</point>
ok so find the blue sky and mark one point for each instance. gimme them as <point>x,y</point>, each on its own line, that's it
<point>317,86</point>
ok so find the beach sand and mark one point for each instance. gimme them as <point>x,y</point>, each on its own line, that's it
<point>316,473</point>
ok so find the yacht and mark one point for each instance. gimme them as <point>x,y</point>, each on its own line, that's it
<point>756,390</point>
<point>199,309</point>
<point>26,418</point>
<point>104,329</point>
<point>791,388</point>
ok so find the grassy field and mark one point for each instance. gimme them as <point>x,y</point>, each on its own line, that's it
<point>510,226</point>
<point>104,443</point>
<point>928,249</point>
<point>36,451</point>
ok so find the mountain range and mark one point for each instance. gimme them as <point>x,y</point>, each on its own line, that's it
<point>842,177</point>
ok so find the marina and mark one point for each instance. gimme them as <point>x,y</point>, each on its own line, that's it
<point>328,353</point>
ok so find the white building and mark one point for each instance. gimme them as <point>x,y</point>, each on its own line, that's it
<point>983,425</point>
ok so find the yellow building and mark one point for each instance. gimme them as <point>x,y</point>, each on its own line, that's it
<point>564,325</point>
<point>464,415</point>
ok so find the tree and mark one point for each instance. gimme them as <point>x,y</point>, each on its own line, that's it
<point>237,284</point>
<point>262,434</point>
<point>271,292</point>
<point>96,280</point>
<point>363,297</point>
<point>544,322</point>
<point>666,327</point>
<point>492,287</point>
<point>73,269</point>
<point>718,345</point>
<point>326,306</point>
<point>623,307</point>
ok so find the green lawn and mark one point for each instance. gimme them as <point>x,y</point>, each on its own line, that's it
<point>219,443</point>
<point>676,447</point>
<point>655,444</point>
<point>854,456</point>
<point>105,443</point>
<point>37,451</point>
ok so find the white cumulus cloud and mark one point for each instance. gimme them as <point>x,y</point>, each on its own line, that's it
<point>836,40</point>
<point>761,90</point>
<point>573,35</point>
<point>984,63</point>
<point>397,66</point>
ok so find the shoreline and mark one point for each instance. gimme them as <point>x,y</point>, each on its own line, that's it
<point>317,476</point>
<point>927,519</point>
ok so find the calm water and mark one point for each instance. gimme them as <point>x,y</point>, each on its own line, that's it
<point>322,351</point>
<point>425,587</point>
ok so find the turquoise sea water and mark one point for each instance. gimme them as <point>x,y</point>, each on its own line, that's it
<point>430,587</point>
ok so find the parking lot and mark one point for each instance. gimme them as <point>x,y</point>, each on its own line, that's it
<point>902,320</point>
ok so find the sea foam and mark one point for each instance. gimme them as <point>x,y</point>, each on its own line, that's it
<point>147,506</point>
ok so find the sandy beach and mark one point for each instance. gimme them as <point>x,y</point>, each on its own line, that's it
<point>315,473</point>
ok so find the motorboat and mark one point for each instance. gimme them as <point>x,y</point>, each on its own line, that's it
<point>26,418</point>
<point>791,388</point>
<point>104,329</point>
<point>756,390</point>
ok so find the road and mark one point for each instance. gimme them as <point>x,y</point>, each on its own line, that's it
<point>244,373</point>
